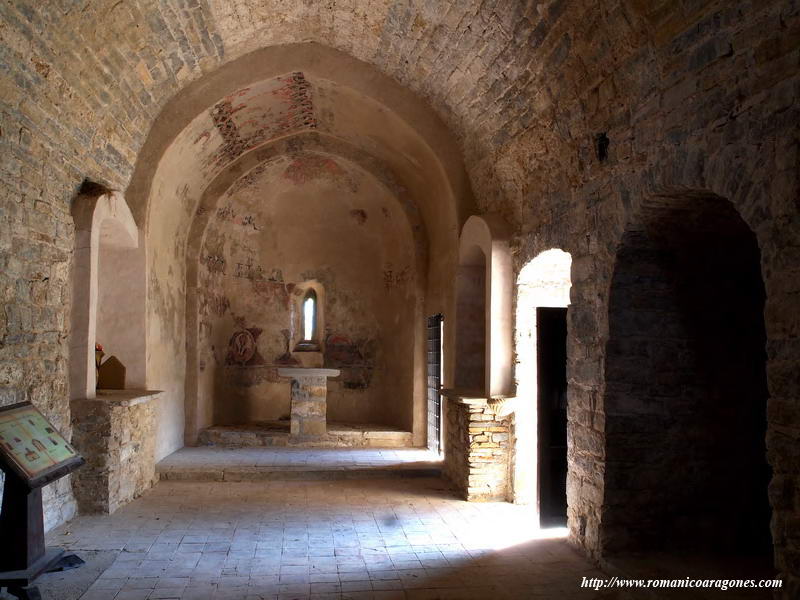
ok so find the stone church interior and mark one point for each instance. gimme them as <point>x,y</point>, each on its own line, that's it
<point>399,299</point>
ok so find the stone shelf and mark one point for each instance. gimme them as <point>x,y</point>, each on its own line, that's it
<point>476,397</point>
<point>125,398</point>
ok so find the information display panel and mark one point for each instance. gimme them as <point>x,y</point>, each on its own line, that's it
<point>32,447</point>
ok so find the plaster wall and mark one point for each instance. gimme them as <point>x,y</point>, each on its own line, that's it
<point>121,296</point>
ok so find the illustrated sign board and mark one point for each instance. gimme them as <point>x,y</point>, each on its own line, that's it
<point>32,448</point>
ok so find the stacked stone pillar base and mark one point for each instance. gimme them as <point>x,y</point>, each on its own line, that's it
<point>115,433</point>
<point>309,403</point>
<point>309,406</point>
<point>477,456</point>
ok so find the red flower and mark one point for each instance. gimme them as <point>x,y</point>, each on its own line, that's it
<point>98,347</point>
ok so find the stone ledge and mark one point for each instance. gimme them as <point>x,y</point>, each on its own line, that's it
<point>503,403</point>
<point>121,398</point>
<point>465,396</point>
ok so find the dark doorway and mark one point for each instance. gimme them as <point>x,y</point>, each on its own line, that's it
<point>434,351</point>
<point>551,346</point>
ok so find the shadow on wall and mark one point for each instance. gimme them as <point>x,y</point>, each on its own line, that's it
<point>470,373</point>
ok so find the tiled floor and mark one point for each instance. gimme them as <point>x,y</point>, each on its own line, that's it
<point>377,539</point>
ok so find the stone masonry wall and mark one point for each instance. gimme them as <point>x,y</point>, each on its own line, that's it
<point>117,439</point>
<point>477,451</point>
<point>455,419</point>
<point>692,95</point>
<point>708,104</point>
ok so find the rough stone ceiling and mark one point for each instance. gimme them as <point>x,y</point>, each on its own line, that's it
<point>490,68</point>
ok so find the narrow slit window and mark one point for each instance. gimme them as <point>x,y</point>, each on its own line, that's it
<point>309,316</point>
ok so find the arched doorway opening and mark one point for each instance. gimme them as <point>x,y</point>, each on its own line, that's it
<point>686,390</point>
<point>540,423</point>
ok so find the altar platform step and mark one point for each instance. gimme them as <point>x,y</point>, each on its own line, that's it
<point>274,434</point>
<point>297,464</point>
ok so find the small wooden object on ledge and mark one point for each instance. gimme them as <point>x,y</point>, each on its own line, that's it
<point>111,375</point>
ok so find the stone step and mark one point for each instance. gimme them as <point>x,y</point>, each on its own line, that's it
<point>209,463</point>
<point>234,474</point>
<point>338,436</point>
<point>230,437</point>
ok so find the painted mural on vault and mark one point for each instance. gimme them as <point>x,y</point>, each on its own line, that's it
<point>253,115</point>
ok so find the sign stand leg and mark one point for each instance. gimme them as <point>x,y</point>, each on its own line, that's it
<point>21,526</point>
<point>22,554</point>
<point>26,593</point>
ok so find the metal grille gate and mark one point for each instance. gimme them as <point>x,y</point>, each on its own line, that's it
<point>434,350</point>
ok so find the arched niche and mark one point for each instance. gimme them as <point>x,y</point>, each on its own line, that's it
<point>686,384</point>
<point>108,292</point>
<point>484,285</point>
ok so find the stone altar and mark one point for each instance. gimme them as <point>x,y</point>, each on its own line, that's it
<point>309,402</point>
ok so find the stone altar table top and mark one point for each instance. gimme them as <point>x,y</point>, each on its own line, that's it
<point>307,372</point>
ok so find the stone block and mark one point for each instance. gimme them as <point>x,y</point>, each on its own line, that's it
<point>116,435</point>
<point>313,427</point>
